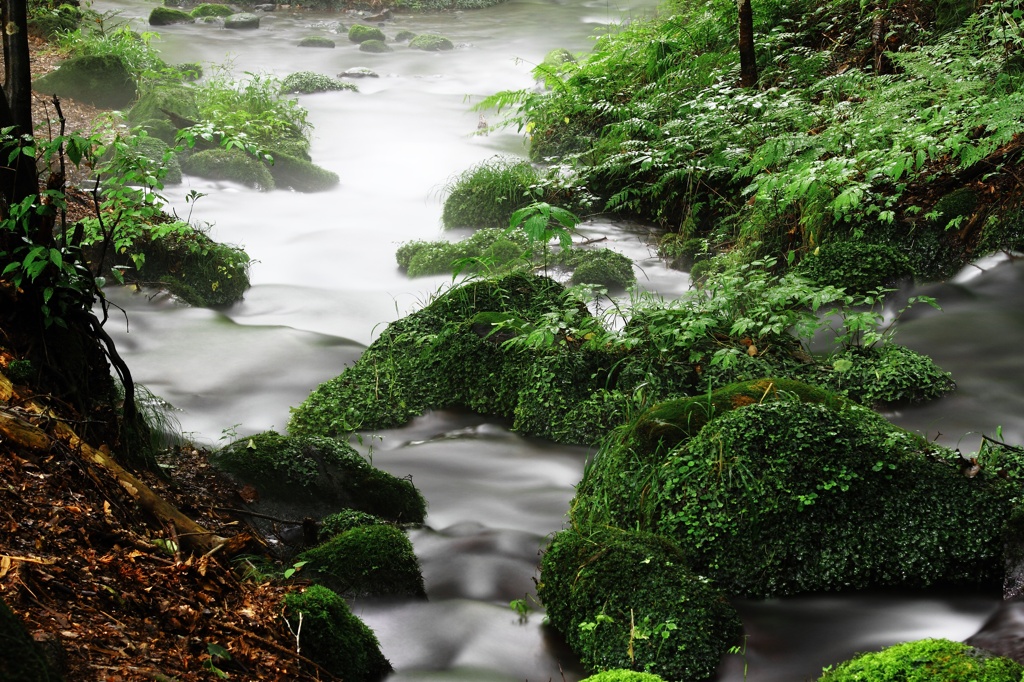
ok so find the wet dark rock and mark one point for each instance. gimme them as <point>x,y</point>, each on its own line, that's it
<point>1003,632</point>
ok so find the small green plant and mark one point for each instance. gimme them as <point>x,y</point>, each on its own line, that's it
<point>216,654</point>
<point>542,222</point>
<point>294,568</point>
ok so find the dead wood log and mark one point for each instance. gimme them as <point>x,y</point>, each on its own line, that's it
<point>16,426</point>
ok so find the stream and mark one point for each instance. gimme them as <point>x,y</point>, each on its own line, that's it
<point>325,283</point>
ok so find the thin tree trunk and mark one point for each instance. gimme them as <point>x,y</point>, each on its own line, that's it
<point>22,181</point>
<point>748,59</point>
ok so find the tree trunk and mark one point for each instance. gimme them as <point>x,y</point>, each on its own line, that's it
<point>748,59</point>
<point>21,181</point>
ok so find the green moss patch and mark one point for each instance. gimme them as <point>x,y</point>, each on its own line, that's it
<point>368,560</point>
<point>619,675</point>
<point>300,175</point>
<point>360,33</point>
<point>373,45</point>
<point>166,16</point>
<point>309,82</point>
<point>887,374</point>
<point>858,267</point>
<point>320,470</point>
<point>210,9</point>
<point>334,637</point>
<point>317,41</point>
<point>627,600</point>
<point>229,164</point>
<point>431,43</point>
<point>928,660</point>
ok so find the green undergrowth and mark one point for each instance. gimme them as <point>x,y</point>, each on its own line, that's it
<point>925,661</point>
<point>487,194</point>
<point>912,145</point>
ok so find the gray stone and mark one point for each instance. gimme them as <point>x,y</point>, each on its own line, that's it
<point>242,20</point>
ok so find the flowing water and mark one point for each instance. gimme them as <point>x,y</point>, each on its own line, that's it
<point>326,282</point>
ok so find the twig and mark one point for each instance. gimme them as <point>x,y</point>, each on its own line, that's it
<point>280,649</point>
<point>232,510</point>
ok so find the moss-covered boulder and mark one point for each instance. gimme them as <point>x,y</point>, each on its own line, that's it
<point>211,9</point>
<point>599,267</point>
<point>491,248</point>
<point>374,46</point>
<point>487,194</point>
<point>317,41</point>
<point>161,154</point>
<point>431,42</point>
<point>627,600</point>
<point>334,637</point>
<point>404,36</point>
<point>787,497</point>
<point>103,81</point>
<point>619,675</point>
<point>229,164</point>
<point>165,102</point>
<point>927,660</point>
<point>346,520</point>
<point>242,21</point>
<point>167,16</point>
<point>367,560</point>
<point>299,174</point>
<point>21,659</point>
<point>419,362</point>
<point>192,266</point>
<point>319,473</point>
<point>359,33</point>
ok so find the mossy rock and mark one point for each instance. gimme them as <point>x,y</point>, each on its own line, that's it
<point>321,473</point>
<point>360,33</point>
<point>167,16</point>
<point>599,267</point>
<point>242,21</point>
<point>161,129</point>
<point>858,267</point>
<point>159,102</point>
<point>299,174</point>
<point>317,41</point>
<point>487,194</point>
<point>229,164</point>
<point>192,266</point>
<point>21,659</point>
<point>156,150</point>
<point>334,637</point>
<point>374,46</point>
<point>669,423</point>
<point>211,9</point>
<point>928,660</point>
<point>56,20</point>
<point>620,675</point>
<point>103,81</point>
<point>627,600</point>
<point>790,497</point>
<point>368,560</point>
<point>431,42</point>
<point>887,374</point>
<point>488,247</point>
<point>404,36</point>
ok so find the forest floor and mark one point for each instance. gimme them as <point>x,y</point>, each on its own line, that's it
<point>106,590</point>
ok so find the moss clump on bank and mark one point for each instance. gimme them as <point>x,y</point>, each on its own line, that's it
<point>887,374</point>
<point>487,194</point>
<point>927,660</point>
<point>229,164</point>
<point>167,16</point>
<point>858,267</point>
<point>598,267</point>
<point>627,600</point>
<point>790,497</point>
<point>368,560</point>
<point>320,470</point>
<point>490,248</point>
<point>334,637</point>
<point>192,266</point>
<point>299,174</point>
<point>344,521</point>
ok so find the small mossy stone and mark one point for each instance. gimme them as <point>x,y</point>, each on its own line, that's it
<point>360,33</point>
<point>317,41</point>
<point>299,174</point>
<point>599,267</point>
<point>346,520</point>
<point>858,267</point>
<point>368,560</point>
<point>887,374</point>
<point>103,81</point>
<point>229,164</point>
<point>211,9</point>
<point>167,16</point>
<point>431,42</point>
<point>309,82</point>
<point>928,660</point>
<point>404,36</point>
<point>374,46</point>
<point>243,21</point>
<point>602,587</point>
<point>162,101</point>
<point>334,637</point>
